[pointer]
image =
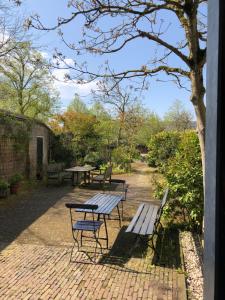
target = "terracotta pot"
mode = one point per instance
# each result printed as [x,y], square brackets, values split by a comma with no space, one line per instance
[14,188]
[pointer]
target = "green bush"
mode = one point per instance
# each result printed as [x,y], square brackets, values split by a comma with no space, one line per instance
[4,185]
[123,156]
[15,179]
[162,147]
[183,175]
[62,149]
[94,159]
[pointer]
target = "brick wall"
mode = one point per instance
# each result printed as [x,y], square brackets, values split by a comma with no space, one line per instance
[15,159]
[12,159]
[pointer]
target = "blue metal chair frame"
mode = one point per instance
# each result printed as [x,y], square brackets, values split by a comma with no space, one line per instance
[79,226]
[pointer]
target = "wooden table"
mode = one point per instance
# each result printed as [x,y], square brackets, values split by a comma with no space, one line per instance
[106,203]
[80,169]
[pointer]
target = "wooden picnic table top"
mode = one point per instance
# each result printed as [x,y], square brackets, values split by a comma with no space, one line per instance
[106,203]
[80,169]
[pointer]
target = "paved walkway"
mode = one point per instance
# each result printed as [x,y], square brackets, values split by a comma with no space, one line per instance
[35,244]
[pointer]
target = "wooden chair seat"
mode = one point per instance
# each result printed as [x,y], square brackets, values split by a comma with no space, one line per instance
[87,225]
[99,178]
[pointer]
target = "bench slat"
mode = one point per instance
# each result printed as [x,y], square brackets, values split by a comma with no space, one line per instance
[135,218]
[147,215]
[140,221]
[151,225]
[149,219]
[164,198]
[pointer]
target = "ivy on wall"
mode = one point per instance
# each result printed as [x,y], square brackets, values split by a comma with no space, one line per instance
[15,129]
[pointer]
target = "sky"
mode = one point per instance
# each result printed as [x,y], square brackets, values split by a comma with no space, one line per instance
[161,94]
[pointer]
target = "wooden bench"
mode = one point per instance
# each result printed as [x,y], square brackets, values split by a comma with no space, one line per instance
[147,218]
[56,174]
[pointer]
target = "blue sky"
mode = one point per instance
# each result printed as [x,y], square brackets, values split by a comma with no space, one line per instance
[160,95]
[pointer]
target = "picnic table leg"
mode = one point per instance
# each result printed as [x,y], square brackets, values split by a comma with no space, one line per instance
[122,210]
[73,184]
[119,214]
[85,177]
[106,232]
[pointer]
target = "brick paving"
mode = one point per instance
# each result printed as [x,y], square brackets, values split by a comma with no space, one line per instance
[35,245]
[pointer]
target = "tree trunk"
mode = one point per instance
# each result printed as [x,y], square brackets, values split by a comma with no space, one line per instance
[20,101]
[119,135]
[122,120]
[197,99]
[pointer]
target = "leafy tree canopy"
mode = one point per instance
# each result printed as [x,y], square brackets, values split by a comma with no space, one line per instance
[178,118]
[25,83]
[77,105]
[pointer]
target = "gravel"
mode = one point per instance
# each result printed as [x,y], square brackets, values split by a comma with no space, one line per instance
[192,252]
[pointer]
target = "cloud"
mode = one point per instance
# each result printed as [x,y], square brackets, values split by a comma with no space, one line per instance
[67,89]
[69,62]
[45,54]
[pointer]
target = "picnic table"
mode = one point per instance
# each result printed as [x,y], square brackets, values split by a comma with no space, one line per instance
[80,169]
[106,203]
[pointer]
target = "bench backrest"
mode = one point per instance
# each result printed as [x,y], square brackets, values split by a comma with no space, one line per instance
[162,204]
[55,167]
[108,172]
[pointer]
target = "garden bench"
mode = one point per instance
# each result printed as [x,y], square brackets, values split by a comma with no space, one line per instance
[102,178]
[55,172]
[147,218]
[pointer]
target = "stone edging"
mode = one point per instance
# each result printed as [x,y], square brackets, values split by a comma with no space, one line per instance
[192,266]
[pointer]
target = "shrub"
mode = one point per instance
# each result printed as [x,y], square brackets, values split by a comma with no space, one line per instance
[15,179]
[123,156]
[3,184]
[183,175]
[162,147]
[62,149]
[94,158]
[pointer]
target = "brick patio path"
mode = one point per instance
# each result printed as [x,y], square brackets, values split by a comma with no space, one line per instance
[35,245]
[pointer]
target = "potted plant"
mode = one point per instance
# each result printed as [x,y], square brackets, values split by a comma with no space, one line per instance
[4,188]
[15,183]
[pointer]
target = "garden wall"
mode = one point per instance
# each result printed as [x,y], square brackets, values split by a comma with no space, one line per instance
[18,155]
[12,160]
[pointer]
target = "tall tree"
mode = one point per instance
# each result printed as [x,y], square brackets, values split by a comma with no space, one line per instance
[151,21]
[11,27]
[178,118]
[78,105]
[80,127]
[151,125]
[119,98]
[97,109]
[25,83]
